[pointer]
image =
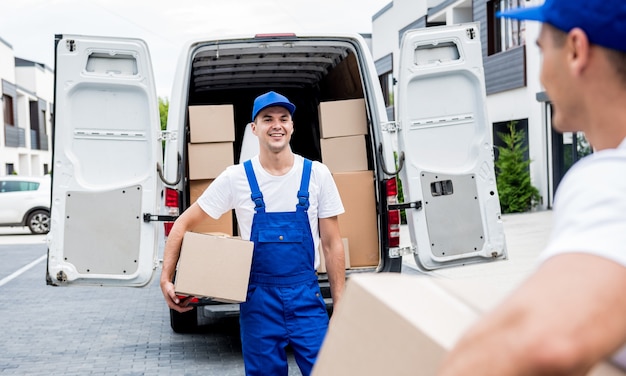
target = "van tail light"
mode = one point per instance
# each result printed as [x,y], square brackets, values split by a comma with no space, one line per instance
[393,216]
[171,203]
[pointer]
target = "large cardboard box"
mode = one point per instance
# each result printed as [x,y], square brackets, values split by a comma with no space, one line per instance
[342,118]
[359,223]
[346,249]
[211,123]
[392,324]
[214,266]
[222,225]
[208,160]
[398,324]
[342,154]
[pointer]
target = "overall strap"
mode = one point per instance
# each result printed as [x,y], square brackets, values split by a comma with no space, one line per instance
[303,193]
[256,196]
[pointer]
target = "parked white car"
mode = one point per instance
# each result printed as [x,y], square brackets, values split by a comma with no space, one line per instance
[25,201]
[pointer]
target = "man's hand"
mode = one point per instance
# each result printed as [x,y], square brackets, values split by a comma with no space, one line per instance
[173,301]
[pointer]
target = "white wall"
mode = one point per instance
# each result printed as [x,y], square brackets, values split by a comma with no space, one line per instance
[7,63]
[386,27]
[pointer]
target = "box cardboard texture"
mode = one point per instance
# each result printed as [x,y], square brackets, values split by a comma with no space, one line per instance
[359,222]
[208,160]
[392,324]
[398,324]
[342,118]
[211,123]
[222,225]
[214,266]
[343,154]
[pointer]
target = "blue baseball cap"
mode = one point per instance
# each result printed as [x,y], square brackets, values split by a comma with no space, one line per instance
[270,99]
[604,21]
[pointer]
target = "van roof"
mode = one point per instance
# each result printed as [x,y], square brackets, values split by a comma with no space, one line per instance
[276,60]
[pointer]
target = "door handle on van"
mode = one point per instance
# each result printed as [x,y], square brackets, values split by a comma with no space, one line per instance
[382,161]
[179,170]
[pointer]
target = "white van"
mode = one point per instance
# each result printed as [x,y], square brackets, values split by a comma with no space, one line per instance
[110,180]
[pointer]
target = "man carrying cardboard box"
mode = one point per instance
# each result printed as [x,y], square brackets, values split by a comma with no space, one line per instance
[284,305]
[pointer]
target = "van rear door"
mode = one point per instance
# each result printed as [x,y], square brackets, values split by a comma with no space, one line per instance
[106,148]
[448,156]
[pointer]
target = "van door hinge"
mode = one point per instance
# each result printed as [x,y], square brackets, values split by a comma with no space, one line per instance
[406,205]
[390,126]
[147,217]
[168,136]
[399,252]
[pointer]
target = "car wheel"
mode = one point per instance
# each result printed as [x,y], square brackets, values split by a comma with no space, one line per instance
[39,222]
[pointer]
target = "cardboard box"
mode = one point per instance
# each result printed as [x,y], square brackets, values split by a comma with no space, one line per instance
[359,223]
[398,324]
[342,118]
[214,266]
[392,324]
[346,251]
[212,123]
[342,154]
[222,225]
[208,160]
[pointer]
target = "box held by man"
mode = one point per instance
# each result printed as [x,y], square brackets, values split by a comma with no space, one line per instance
[214,266]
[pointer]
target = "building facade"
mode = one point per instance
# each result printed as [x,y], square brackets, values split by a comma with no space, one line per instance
[26,110]
[511,62]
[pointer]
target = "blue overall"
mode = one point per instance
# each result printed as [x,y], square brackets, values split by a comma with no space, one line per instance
[284,305]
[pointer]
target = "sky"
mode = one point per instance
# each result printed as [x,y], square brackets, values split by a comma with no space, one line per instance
[29,26]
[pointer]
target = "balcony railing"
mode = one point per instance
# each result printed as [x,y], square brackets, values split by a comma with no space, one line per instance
[15,136]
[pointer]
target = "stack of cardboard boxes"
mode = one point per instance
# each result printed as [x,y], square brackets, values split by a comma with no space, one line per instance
[212,264]
[343,127]
[210,151]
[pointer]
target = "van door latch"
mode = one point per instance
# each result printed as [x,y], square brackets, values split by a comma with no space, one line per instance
[147,217]
[417,205]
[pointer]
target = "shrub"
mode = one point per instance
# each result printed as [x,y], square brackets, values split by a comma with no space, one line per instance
[515,190]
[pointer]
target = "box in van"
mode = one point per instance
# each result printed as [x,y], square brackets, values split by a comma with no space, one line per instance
[111,156]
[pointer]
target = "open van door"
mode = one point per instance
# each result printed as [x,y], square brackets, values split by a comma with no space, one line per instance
[106,149]
[446,142]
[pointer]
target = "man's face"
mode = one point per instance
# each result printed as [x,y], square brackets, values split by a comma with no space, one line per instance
[274,127]
[555,77]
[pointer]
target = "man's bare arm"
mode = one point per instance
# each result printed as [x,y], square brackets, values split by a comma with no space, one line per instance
[564,319]
[332,245]
[186,221]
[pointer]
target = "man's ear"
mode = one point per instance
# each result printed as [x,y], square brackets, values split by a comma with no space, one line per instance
[579,50]
[252,125]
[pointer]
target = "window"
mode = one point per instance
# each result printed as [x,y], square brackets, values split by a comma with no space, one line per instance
[17,186]
[386,83]
[7,108]
[10,168]
[503,33]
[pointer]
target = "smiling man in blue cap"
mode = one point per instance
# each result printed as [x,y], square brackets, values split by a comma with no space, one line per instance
[570,314]
[287,205]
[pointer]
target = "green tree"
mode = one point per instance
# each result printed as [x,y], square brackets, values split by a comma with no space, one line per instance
[515,190]
[164,105]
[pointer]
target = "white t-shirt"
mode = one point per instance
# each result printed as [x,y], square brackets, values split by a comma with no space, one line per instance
[590,208]
[231,190]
